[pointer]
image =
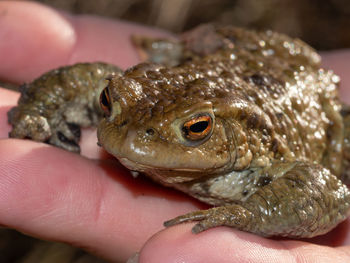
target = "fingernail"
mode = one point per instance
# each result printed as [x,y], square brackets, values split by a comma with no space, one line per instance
[134,258]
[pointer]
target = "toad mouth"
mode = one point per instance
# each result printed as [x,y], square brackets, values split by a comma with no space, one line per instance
[139,167]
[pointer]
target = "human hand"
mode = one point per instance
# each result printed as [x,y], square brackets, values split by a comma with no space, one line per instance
[93,202]
[57,195]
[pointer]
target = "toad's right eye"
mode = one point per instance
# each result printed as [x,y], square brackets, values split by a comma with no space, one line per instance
[105,102]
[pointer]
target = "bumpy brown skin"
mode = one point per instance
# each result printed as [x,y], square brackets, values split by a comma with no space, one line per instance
[53,107]
[276,144]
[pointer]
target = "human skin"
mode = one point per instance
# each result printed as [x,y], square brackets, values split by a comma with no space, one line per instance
[93,202]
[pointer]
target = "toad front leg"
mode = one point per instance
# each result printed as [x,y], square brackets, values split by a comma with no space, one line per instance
[306,200]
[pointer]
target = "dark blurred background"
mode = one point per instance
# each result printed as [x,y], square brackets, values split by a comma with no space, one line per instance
[324,24]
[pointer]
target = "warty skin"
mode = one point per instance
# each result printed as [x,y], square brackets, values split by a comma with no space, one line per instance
[243,120]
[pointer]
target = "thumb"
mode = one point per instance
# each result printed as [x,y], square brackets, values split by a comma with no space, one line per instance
[225,245]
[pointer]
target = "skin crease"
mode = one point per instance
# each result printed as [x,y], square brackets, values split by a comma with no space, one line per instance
[96,204]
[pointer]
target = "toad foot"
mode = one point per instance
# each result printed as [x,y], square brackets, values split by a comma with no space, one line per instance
[233,215]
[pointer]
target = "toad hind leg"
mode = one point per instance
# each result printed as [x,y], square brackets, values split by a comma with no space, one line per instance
[305,201]
[345,175]
[55,106]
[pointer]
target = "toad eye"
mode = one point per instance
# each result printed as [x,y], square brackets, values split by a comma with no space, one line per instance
[105,102]
[197,128]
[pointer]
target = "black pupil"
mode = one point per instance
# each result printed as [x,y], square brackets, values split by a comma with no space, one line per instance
[199,126]
[104,99]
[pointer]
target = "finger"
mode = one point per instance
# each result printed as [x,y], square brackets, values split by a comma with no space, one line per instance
[57,195]
[339,62]
[178,244]
[39,38]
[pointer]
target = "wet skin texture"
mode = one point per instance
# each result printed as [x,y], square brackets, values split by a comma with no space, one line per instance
[243,120]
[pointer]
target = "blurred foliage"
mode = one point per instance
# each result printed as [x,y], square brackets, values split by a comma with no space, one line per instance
[18,248]
[323,24]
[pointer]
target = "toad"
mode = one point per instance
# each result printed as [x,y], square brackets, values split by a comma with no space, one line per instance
[245,121]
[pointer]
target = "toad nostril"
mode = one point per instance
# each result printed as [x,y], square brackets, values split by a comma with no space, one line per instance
[150,132]
[125,122]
